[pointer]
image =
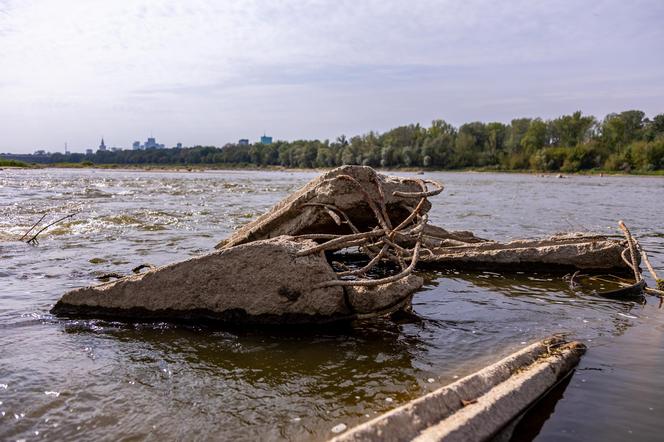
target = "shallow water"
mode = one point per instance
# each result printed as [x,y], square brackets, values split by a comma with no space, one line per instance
[101,380]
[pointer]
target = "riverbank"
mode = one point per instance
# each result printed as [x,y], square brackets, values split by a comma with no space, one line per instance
[252,167]
[13,164]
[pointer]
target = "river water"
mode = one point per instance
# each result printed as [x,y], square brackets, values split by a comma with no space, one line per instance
[103,380]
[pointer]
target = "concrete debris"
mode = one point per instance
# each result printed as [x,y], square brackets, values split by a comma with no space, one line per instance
[308,211]
[480,405]
[259,282]
[331,204]
[277,268]
[575,250]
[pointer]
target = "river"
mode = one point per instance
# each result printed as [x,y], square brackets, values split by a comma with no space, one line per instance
[105,380]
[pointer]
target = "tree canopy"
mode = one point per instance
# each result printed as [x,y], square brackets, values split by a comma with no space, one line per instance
[625,141]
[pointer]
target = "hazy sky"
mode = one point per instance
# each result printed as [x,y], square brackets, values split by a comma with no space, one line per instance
[210,72]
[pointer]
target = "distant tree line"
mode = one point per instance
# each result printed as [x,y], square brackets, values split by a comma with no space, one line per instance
[626,141]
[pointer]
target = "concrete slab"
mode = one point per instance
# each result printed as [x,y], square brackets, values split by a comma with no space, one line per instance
[478,406]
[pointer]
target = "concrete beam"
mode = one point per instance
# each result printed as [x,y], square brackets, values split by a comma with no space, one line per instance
[478,406]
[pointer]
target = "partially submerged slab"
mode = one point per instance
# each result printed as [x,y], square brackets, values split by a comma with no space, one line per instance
[320,206]
[575,250]
[275,269]
[261,276]
[260,282]
[332,205]
[480,405]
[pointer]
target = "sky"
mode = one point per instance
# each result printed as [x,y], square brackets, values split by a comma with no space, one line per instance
[210,72]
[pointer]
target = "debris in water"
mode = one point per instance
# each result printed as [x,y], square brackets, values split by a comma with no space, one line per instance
[339,428]
[297,263]
[33,238]
[492,398]
[628,316]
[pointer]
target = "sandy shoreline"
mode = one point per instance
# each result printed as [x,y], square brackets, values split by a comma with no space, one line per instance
[208,168]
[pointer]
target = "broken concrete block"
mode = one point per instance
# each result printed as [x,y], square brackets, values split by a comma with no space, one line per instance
[575,250]
[259,282]
[308,209]
[478,406]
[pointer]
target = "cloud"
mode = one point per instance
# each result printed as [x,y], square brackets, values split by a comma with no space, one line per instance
[424,59]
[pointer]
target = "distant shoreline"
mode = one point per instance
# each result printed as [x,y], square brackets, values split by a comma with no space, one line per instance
[211,167]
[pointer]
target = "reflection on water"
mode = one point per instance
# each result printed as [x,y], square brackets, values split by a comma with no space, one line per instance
[100,379]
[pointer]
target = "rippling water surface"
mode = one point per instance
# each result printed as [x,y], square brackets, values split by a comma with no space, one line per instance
[101,380]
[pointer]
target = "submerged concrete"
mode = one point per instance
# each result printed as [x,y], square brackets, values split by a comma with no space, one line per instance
[328,204]
[273,269]
[260,282]
[308,210]
[478,406]
[574,250]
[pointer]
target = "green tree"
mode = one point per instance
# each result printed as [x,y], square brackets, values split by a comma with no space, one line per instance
[571,130]
[535,137]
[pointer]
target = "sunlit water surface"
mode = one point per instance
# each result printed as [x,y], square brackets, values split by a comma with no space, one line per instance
[101,380]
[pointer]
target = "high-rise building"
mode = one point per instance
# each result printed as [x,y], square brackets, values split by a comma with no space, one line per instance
[266,140]
[243,142]
[151,143]
[102,145]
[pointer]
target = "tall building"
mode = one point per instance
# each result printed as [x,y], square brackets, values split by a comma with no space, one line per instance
[243,142]
[102,146]
[266,140]
[151,143]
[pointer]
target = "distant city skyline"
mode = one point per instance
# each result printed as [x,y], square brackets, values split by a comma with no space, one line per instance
[150,143]
[211,72]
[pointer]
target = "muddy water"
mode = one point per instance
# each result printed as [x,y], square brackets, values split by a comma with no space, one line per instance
[101,380]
